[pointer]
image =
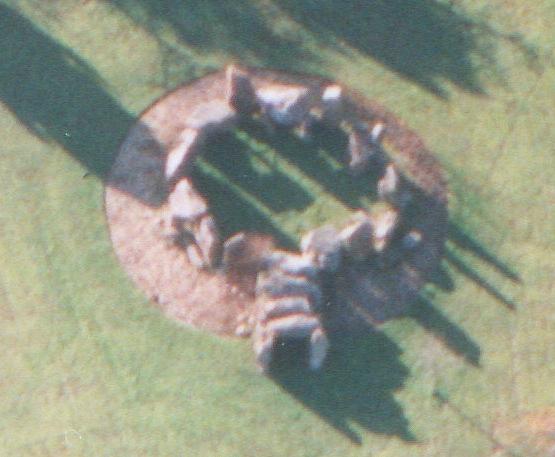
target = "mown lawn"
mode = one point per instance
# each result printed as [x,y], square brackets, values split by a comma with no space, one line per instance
[90,369]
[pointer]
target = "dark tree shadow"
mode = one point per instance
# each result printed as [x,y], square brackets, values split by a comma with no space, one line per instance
[356,384]
[57,95]
[236,28]
[60,98]
[425,41]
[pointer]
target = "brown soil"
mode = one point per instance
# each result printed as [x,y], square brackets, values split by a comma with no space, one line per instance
[532,434]
[136,204]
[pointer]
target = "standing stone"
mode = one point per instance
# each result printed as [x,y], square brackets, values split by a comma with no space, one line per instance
[385,220]
[185,203]
[183,153]
[360,149]
[208,240]
[357,237]
[240,92]
[285,106]
[323,246]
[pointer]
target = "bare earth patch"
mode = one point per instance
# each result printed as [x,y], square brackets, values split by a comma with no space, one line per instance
[137,207]
[532,435]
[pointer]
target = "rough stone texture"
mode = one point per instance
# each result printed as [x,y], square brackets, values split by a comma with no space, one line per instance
[361,293]
[185,202]
[183,153]
[288,297]
[240,91]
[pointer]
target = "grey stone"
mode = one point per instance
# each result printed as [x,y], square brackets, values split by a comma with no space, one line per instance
[240,92]
[324,247]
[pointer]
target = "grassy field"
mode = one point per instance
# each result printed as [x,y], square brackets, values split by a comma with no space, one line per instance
[89,368]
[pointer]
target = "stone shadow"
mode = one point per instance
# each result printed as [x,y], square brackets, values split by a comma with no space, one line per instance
[243,197]
[455,338]
[464,241]
[323,159]
[356,385]
[464,268]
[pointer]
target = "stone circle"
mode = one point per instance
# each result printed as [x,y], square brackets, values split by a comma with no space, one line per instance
[341,278]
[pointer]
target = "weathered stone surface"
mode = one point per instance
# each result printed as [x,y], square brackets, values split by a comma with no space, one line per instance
[333,105]
[385,220]
[208,240]
[388,184]
[360,149]
[294,264]
[323,247]
[183,153]
[185,203]
[318,350]
[377,133]
[412,239]
[285,306]
[288,295]
[276,285]
[294,326]
[194,255]
[284,105]
[240,92]
[247,252]
[357,236]
[212,116]
[393,188]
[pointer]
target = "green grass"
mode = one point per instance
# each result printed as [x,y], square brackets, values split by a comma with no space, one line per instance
[279,184]
[89,368]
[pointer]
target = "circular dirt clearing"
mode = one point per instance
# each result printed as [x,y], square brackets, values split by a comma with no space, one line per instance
[278,197]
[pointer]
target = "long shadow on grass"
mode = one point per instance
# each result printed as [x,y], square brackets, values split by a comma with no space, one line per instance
[237,29]
[455,338]
[246,190]
[322,159]
[426,41]
[464,241]
[357,385]
[463,267]
[364,369]
[57,95]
